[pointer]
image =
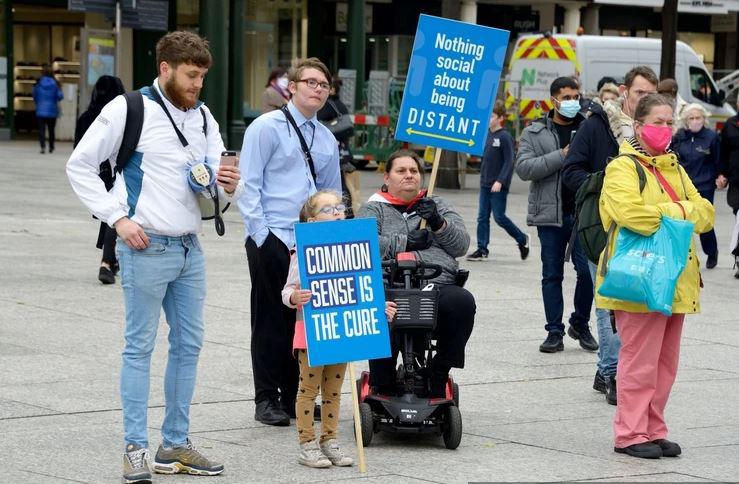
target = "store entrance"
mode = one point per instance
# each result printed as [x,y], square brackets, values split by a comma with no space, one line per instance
[44,35]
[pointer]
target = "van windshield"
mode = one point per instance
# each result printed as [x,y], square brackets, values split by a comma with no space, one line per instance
[702,86]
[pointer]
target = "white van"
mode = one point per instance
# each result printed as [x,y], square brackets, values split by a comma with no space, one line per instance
[538,59]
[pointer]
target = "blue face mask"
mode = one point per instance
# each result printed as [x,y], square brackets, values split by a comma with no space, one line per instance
[569,108]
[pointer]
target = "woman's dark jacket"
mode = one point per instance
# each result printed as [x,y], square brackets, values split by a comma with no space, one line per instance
[698,153]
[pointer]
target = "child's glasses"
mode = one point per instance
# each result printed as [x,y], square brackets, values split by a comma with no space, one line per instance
[329,209]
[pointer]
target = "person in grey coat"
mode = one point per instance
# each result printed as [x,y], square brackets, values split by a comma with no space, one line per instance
[399,207]
[541,153]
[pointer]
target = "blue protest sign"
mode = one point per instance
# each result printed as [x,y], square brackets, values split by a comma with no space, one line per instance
[452,80]
[339,261]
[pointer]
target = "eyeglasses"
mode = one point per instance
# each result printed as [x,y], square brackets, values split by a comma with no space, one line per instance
[640,93]
[312,83]
[330,209]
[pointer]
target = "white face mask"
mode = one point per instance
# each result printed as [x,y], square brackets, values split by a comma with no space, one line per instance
[695,125]
[282,83]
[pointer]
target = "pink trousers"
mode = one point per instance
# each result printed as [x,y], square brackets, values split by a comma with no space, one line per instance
[647,365]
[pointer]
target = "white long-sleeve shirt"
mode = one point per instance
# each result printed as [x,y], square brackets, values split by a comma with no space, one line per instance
[152,190]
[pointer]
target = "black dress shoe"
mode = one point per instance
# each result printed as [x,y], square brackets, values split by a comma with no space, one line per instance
[599,382]
[270,413]
[611,392]
[669,449]
[711,261]
[106,276]
[647,450]
[552,344]
[584,337]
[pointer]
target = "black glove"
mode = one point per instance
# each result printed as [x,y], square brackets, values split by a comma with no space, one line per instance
[418,239]
[426,209]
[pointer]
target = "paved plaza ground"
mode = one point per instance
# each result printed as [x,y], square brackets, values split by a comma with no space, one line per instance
[527,416]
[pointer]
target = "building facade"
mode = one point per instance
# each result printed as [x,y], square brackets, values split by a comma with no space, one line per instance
[250,37]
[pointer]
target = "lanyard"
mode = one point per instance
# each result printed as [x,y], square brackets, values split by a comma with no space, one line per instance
[159,101]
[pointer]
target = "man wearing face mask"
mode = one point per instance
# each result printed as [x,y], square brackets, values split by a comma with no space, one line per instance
[542,150]
[597,142]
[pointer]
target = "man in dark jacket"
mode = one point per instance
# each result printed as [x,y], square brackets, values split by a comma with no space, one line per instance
[496,171]
[596,142]
[541,153]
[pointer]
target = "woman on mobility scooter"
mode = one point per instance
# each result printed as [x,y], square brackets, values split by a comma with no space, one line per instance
[399,207]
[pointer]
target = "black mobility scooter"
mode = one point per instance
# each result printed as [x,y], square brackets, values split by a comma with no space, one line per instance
[410,408]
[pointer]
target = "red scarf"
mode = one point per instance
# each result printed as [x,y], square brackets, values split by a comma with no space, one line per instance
[399,201]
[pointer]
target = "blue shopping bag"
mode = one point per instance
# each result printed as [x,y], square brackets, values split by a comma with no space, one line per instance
[645,270]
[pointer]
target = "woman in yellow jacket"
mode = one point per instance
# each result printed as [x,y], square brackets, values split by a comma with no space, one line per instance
[650,341]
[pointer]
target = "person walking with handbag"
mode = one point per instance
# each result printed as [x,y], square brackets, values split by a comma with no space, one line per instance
[650,341]
[47,93]
[291,155]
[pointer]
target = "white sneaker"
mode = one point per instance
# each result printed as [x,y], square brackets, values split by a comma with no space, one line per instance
[311,455]
[331,449]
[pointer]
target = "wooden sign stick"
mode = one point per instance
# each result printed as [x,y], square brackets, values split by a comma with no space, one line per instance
[357,420]
[432,181]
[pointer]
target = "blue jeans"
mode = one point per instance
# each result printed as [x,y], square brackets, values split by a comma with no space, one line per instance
[495,202]
[168,274]
[553,246]
[608,341]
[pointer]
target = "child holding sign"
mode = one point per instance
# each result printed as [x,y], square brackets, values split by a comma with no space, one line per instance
[325,205]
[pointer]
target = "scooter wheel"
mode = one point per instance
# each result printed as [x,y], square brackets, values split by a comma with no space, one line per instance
[455,394]
[453,428]
[368,425]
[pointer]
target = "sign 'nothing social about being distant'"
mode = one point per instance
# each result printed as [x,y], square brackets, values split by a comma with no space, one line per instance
[452,80]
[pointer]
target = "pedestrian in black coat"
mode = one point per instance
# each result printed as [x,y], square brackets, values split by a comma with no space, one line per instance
[106,88]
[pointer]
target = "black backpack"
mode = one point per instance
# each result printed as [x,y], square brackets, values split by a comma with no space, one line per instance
[588,226]
[134,123]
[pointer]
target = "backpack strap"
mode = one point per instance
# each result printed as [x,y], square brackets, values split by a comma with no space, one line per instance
[642,183]
[132,129]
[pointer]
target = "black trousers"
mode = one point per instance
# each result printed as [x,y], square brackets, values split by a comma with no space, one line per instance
[274,368]
[453,328]
[108,237]
[43,123]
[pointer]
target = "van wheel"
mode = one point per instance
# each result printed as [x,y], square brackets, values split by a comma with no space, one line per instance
[453,428]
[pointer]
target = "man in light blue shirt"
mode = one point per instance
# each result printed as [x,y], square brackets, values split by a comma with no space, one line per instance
[278,180]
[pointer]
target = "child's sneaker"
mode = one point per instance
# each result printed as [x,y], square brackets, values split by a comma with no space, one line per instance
[136,465]
[331,449]
[311,455]
[186,460]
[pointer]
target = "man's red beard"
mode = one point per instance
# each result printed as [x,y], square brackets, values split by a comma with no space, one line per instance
[177,95]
